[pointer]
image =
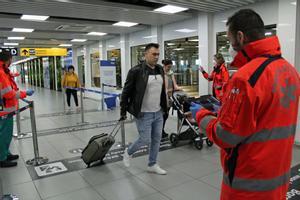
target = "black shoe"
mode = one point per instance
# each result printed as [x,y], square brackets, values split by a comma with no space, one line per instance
[6,163]
[11,157]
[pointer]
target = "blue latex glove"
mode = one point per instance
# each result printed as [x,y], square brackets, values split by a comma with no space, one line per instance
[195,108]
[29,92]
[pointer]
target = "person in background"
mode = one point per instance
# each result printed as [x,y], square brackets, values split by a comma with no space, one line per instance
[71,80]
[219,75]
[171,86]
[144,96]
[9,96]
[255,128]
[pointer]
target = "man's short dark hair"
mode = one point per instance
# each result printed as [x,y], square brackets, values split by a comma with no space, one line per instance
[248,22]
[5,55]
[167,62]
[151,45]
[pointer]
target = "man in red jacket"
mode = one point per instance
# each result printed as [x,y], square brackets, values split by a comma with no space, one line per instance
[9,95]
[256,125]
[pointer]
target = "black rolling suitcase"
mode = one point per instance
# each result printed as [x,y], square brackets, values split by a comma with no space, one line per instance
[99,145]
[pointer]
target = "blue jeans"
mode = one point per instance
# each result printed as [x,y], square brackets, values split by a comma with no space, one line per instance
[150,128]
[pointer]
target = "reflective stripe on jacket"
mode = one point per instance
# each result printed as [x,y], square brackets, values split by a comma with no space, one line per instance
[256,125]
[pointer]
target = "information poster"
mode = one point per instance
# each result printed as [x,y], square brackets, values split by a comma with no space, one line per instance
[108,74]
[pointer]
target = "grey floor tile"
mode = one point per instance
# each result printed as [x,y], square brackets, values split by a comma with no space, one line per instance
[124,189]
[197,168]
[24,191]
[82,194]
[214,179]
[14,175]
[193,190]
[103,174]
[163,182]
[156,196]
[52,186]
[173,156]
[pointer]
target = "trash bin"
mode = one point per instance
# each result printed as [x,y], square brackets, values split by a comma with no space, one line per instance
[110,102]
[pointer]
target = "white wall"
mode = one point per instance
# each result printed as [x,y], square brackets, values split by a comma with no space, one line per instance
[114,43]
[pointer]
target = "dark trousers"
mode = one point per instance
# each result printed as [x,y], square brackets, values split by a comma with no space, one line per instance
[74,93]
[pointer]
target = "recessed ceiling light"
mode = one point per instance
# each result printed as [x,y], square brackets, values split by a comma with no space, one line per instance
[170,44]
[178,49]
[170,9]
[125,24]
[15,38]
[97,33]
[150,36]
[65,45]
[34,17]
[11,44]
[194,40]
[185,30]
[78,40]
[3,47]
[111,46]
[23,30]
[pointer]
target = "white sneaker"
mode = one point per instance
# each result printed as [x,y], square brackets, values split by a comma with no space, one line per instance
[156,169]
[126,158]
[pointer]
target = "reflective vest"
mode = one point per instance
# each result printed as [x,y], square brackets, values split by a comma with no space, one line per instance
[9,92]
[220,77]
[256,125]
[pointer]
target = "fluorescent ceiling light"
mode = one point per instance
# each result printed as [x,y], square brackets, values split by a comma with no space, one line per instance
[111,46]
[170,9]
[96,33]
[65,45]
[4,47]
[178,49]
[170,44]
[23,30]
[126,24]
[15,38]
[78,40]
[194,40]
[224,21]
[11,44]
[34,17]
[268,33]
[150,36]
[185,30]
[294,3]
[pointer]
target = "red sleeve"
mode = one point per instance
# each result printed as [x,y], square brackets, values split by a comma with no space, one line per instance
[208,77]
[236,120]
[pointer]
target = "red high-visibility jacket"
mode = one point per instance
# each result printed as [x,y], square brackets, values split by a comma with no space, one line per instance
[9,91]
[256,125]
[220,77]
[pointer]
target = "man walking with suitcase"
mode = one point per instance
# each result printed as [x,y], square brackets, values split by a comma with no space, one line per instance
[144,96]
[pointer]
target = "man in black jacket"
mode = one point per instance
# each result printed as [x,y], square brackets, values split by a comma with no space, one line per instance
[144,96]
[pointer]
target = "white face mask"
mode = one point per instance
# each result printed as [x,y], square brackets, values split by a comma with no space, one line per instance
[232,52]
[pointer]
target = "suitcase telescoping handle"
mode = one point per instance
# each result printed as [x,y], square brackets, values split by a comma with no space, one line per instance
[116,129]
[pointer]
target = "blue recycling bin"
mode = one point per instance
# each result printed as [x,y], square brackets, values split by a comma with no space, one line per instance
[110,102]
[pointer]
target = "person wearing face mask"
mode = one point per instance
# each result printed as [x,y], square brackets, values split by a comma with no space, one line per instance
[219,75]
[9,95]
[71,79]
[256,125]
[171,86]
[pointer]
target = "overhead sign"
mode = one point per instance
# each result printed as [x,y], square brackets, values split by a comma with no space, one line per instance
[43,52]
[13,51]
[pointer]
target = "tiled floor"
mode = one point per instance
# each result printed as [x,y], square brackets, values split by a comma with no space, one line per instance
[192,174]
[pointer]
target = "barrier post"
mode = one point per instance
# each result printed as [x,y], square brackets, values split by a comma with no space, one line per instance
[37,160]
[18,119]
[102,96]
[64,98]
[81,105]
[123,134]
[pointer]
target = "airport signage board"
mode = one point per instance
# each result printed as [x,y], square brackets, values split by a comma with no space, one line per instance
[43,52]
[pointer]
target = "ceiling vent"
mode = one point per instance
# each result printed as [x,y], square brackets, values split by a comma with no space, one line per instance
[74,28]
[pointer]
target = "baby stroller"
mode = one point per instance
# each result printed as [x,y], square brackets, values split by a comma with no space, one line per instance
[181,102]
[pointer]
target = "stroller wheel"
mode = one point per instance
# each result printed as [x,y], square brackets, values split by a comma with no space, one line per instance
[198,142]
[209,143]
[174,139]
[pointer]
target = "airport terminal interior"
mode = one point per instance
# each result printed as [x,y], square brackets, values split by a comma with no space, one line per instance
[103,40]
